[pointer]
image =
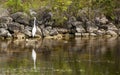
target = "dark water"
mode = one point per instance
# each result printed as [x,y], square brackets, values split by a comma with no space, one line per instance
[60,57]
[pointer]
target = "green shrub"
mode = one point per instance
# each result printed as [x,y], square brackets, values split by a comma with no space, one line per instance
[14,5]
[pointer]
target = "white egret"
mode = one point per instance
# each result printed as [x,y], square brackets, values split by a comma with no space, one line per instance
[34,28]
[34,57]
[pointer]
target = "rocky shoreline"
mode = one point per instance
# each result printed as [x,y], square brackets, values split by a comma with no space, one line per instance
[19,26]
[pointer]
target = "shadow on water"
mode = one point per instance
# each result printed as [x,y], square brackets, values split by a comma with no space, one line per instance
[79,56]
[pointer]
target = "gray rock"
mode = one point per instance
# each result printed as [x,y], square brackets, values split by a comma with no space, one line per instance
[104,27]
[103,19]
[49,28]
[4,33]
[112,33]
[5,19]
[28,28]
[62,30]
[53,32]
[92,34]
[49,23]
[3,12]
[91,27]
[71,24]
[3,25]
[100,32]
[15,27]
[112,27]
[77,23]
[79,27]
[39,31]
[45,32]
[27,33]
[21,18]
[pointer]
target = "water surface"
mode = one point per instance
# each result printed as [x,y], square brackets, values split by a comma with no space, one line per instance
[88,56]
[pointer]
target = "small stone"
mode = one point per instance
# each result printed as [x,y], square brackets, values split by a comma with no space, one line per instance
[78,34]
[85,34]
[93,34]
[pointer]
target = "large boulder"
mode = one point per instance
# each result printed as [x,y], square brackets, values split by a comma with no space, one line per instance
[21,18]
[46,31]
[5,19]
[53,32]
[3,25]
[100,32]
[4,33]
[71,25]
[45,16]
[79,27]
[15,27]
[103,19]
[112,33]
[49,31]
[27,31]
[70,22]
[112,27]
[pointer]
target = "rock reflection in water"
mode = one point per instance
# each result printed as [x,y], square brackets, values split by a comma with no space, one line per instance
[79,56]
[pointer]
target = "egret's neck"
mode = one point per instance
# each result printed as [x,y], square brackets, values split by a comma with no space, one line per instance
[34,21]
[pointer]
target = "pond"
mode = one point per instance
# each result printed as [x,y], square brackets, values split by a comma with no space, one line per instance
[79,56]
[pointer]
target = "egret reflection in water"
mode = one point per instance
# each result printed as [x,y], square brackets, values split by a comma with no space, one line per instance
[34,57]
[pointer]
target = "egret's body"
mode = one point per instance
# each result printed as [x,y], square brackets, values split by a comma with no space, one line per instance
[34,57]
[34,28]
